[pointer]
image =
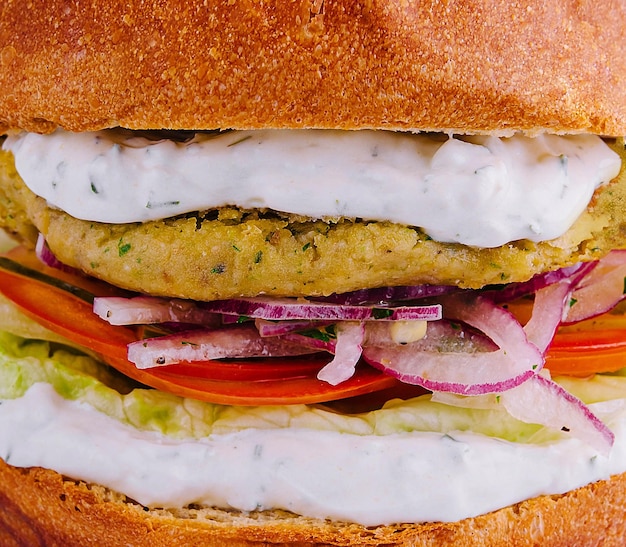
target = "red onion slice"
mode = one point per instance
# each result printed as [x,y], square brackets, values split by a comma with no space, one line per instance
[292,308]
[278,328]
[202,345]
[314,339]
[512,291]
[441,336]
[348,347]
[548,310]
[143,310]
[600,290]
[384,295]
[466,373]
[542,401]
[47,257]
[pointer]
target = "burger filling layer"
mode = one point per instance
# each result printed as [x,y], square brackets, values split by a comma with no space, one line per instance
[481,191]
[166,451]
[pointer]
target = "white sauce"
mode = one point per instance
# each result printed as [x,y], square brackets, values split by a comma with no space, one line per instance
[410,477]
[482,191]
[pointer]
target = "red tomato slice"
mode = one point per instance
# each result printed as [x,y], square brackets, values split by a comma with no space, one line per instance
[594,345]
[246,382]
[65,314]
[283,391]
[584,348]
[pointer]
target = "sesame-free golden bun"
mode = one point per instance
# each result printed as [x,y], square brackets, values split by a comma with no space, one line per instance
[469,66]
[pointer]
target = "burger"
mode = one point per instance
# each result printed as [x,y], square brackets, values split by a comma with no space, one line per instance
[312,273]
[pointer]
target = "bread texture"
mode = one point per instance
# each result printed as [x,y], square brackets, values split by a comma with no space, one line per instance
[40,507]
[466,66]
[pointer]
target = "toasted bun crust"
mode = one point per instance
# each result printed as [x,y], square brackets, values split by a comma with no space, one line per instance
[40,507]
[467,66]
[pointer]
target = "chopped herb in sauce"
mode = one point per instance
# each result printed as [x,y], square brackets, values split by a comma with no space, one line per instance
[243,139]
[162,204]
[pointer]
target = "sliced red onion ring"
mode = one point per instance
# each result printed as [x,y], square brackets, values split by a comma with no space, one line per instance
[541,401]
[144,310]
[348,349]
[278,328]
[512,291]
[600,290]
[466,373]
[384,295]
[292,308]
[47,257]
[314,339]
[441,336]
[201,345]
[548,310]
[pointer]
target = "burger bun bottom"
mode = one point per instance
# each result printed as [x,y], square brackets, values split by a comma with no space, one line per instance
[40,507]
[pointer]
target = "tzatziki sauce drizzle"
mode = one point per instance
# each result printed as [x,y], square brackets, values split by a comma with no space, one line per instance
[481,191]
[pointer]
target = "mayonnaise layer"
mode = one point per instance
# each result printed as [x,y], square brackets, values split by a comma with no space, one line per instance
[482,191]
[403,477]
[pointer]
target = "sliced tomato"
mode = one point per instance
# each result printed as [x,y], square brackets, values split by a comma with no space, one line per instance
[25,257]
[595,345]
[583,348]
[240,382]
[65,314]
[282,390]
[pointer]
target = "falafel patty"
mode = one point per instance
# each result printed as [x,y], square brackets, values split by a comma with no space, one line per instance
[231,252]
